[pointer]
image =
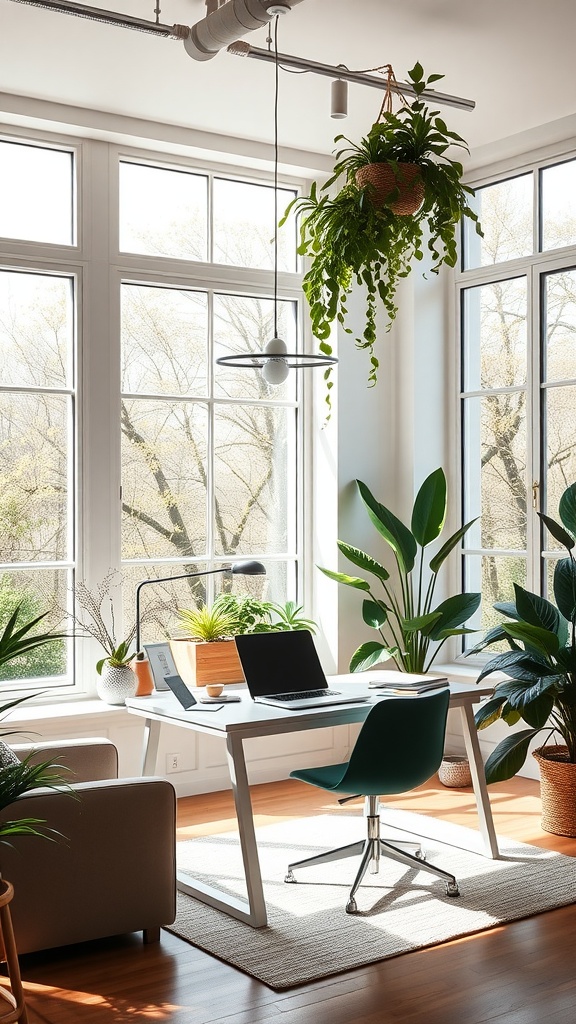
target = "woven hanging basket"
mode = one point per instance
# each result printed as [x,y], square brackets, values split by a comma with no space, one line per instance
[558,790]
[384,180]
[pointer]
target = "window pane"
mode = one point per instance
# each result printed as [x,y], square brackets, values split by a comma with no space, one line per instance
[243,324]
[163,212]
[560,312]
[36,330]
[37,592]
[244,225]
[560,421]
[505,212]
[34,474]
[494,332]
[495,445]
[558,185]
[164,340]
[163,479]
[36,194]
[494,576]
[254,474]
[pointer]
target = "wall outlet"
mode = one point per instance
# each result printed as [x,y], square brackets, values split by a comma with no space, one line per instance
[172,762]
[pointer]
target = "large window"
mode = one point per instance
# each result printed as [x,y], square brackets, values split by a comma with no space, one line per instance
[108,386]
[518,330]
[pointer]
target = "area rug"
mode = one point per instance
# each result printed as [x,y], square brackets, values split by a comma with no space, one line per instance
[310,936]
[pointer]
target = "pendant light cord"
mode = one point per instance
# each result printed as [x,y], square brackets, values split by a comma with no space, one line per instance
[276,91]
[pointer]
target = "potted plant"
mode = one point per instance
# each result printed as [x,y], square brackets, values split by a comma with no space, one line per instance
[364,234]
[206,653]
[412,630]
[116,679]
[541,686]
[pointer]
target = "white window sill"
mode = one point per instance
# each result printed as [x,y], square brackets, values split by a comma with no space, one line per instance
[62,710]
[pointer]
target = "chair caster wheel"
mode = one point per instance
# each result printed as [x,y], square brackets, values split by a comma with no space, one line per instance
[351,907]
[452,889]
[289,877]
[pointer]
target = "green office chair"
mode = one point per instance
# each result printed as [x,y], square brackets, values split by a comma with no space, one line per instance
[398,748]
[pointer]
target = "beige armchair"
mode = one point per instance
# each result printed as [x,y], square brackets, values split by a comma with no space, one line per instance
[114,872]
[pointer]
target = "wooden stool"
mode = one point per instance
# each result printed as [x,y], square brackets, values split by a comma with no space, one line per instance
[16,1009]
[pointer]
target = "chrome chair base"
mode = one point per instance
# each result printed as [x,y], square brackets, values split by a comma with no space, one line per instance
[371,849]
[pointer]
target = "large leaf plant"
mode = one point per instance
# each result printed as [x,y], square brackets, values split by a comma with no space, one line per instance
[541,663]
[411,627]
[350,241]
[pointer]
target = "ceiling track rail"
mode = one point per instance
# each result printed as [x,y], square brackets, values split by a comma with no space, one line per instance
[218,30]
[244,49]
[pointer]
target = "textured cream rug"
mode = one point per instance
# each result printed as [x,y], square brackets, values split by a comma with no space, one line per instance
[310,936]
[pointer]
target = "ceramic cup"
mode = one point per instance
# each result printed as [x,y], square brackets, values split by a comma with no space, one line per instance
[214,689]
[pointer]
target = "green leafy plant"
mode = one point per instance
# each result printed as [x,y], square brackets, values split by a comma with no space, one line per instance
[411,628]
[99,623]
[350,240]
[289,616]
[206,624]
[541,662]
[231,616]
[16,642]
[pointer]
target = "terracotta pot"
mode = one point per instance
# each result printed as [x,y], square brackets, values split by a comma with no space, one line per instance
[558,790]
[384,180]
[199,663]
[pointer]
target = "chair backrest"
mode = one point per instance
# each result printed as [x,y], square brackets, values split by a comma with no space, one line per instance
[399,747]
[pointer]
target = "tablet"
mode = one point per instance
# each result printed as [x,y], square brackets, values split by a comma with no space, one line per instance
[185,697]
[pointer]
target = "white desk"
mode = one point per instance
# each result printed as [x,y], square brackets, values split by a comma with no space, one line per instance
[239,721]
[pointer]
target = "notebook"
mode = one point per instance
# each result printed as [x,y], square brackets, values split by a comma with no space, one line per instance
[284,670]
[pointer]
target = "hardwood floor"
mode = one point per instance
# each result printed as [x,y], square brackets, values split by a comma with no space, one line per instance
[522,973]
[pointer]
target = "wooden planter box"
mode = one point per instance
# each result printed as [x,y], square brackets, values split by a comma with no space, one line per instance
[199,662]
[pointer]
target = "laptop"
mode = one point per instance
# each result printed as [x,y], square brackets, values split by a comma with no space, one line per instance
[283,669]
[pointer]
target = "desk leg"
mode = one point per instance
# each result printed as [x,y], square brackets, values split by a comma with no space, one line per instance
[150,747]
[474,755]
[250,859]
[253,910]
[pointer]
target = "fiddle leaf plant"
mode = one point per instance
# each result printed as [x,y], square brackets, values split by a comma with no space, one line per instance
[351,241]
[540,688]
[411,627]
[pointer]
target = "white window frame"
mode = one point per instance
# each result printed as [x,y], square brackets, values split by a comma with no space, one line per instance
[100,267]
[534,268]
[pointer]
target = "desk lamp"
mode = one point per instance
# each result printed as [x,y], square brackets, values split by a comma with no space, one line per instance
[238,568]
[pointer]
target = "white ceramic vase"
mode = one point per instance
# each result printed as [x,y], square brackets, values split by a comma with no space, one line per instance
[115,684]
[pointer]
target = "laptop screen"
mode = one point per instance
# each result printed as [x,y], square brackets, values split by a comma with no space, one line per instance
[283,662]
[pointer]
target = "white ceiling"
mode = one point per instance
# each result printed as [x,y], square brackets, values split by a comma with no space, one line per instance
[515,58]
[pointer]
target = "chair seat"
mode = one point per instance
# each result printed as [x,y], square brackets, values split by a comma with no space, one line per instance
[328,776]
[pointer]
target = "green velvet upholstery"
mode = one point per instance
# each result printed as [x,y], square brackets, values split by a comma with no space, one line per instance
[399,747]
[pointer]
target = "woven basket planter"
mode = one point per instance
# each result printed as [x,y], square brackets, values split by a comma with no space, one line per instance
[558,790]
[454,771]
[384,180]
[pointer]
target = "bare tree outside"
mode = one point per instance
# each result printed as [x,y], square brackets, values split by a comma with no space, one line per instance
[502,347]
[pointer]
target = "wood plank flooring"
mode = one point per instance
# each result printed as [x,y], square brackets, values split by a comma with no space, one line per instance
[522,973]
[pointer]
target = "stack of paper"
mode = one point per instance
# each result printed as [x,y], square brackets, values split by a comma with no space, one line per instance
[405,683]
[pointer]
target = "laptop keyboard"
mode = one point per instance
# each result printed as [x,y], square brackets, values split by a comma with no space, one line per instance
[307,693]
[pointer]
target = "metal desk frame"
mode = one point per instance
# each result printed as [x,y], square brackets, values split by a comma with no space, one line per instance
[240,721]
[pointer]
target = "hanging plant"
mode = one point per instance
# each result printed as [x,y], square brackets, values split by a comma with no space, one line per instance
[398,186]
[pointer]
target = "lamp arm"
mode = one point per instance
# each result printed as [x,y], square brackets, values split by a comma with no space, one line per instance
[166,579]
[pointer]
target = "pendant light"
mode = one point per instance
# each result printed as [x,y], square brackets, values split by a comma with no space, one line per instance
[276,361]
